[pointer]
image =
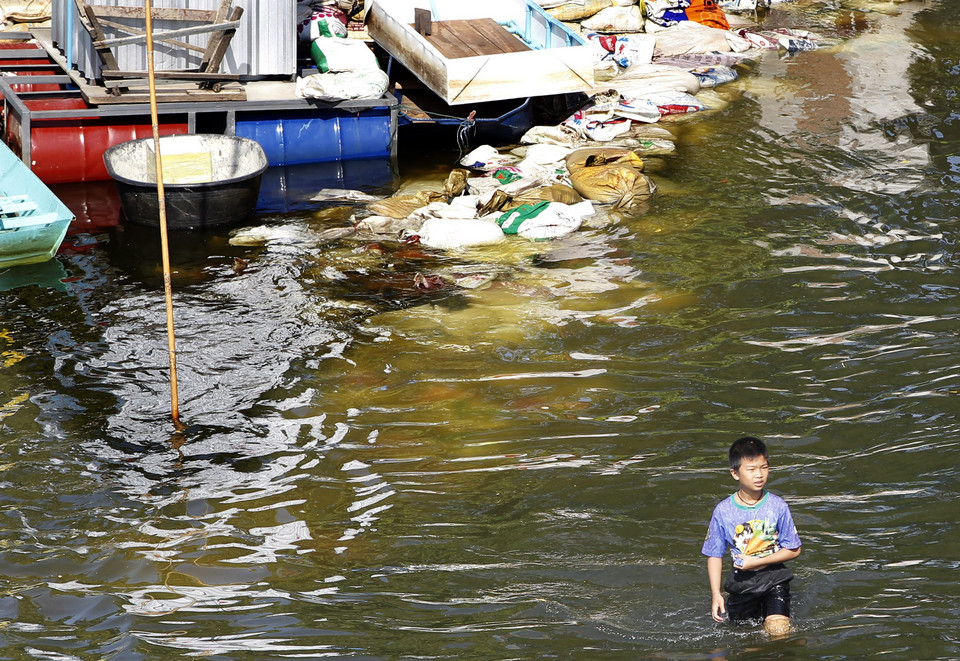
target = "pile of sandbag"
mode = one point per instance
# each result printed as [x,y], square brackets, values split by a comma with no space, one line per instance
[347,68]
[609,176]
[631,16]
[652,58]
[537,192]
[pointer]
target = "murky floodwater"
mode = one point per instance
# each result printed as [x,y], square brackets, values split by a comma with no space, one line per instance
[527,470]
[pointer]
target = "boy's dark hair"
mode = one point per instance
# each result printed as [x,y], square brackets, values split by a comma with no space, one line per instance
[747,447]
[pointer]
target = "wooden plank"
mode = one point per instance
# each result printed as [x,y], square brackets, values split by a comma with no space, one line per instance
[170,75]
[131,30]
[158,13]
[222,44]
[470,38]
[171,96]
[107,58]
[498,37]
[168,34]
[223,13]
[445,38]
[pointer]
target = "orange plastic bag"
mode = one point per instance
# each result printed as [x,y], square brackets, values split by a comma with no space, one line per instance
[667,13]
[707,12]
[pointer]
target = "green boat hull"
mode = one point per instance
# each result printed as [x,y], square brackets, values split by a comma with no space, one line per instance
[33,221]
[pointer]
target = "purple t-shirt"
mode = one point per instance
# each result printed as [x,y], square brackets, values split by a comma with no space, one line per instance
[758,531]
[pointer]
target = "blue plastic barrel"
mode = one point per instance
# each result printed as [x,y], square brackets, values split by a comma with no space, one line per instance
[321,135]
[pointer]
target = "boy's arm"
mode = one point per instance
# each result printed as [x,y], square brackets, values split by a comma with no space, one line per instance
[749,562]
[715,574]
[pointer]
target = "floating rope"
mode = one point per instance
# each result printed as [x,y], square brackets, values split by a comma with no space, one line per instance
[466,126]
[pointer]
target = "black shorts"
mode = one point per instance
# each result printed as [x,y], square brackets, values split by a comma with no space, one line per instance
[775,601]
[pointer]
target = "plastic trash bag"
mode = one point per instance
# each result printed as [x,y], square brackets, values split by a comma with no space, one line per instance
[456,182]
[692,60]
[641,80]
[584,157]
[487,158]
[743,6]
[386,226]
[713,76]
[543,154]
[783,38]
[638,110]
[343,195]
[510,221]
[677,103]
[652,146]
[625,49]
[601,128]
[794,40]
[554,224]
[668,13]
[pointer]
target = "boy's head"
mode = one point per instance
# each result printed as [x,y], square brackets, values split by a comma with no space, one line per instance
[747,447]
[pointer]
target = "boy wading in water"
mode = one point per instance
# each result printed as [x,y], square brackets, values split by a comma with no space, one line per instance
[757,527]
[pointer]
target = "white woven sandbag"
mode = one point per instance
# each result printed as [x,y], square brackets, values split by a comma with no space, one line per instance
[556,221]
[446,233]
[366,84]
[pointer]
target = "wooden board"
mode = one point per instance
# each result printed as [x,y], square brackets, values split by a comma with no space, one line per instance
[98,96]
[470,38]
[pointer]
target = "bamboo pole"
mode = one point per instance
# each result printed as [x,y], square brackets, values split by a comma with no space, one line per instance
[162,206]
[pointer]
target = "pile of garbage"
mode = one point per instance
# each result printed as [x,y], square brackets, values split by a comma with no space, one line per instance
[535,192]
[652,58]
[655,61]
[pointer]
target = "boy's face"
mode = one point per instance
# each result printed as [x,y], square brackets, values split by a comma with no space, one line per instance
[752,474]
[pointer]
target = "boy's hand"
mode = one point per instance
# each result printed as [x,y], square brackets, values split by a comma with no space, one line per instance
[718,608]
[746,562]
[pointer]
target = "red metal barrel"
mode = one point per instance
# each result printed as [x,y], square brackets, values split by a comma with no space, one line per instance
[71,149]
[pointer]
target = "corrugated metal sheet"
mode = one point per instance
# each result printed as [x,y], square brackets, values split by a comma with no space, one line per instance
[264,45]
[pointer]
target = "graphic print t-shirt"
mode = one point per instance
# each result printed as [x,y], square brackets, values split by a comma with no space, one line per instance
[757,531]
